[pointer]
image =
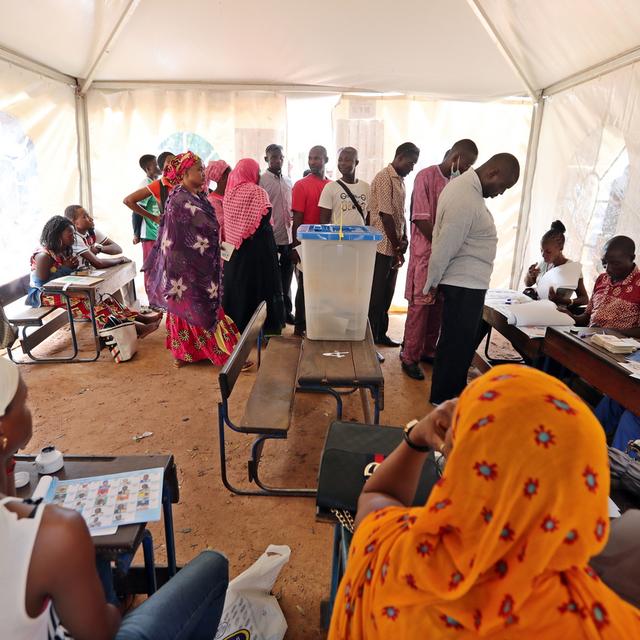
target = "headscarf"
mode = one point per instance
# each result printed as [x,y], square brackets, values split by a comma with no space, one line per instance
[500,550]
[175,169]
[9,380]
[245,202]
[215,170]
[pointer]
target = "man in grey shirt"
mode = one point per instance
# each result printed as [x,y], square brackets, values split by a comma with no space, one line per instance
[279,189]
[463,252]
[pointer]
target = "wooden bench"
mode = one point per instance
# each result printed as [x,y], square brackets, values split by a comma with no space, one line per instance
[23,317]
[268,410]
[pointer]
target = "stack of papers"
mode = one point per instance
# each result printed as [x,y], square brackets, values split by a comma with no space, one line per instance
[538,313]
[613,344]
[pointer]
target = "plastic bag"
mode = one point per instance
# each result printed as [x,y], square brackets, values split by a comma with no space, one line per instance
[122,341]
[250,611]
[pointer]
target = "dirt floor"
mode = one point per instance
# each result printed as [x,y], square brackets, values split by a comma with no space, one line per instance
[97,408]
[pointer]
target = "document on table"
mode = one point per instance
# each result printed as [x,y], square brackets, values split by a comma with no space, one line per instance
[539,313]
[633,368]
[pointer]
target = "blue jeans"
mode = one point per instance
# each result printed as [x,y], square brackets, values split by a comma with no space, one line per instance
[188,607]
[618,421]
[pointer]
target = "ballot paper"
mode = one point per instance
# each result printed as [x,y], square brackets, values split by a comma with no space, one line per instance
[614,511]
[538,313]
[565,276]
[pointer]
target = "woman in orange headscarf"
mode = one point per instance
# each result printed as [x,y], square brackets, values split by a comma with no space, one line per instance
[500,550]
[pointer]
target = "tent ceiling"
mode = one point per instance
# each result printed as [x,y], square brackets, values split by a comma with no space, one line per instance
[437,47]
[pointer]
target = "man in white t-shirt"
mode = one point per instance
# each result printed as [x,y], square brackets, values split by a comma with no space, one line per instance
[345,201]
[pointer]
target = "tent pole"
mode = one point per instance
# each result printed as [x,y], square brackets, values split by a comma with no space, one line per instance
[502,47]
[117,30]
[612,64]
[31,65]
[522,232]
[84,159]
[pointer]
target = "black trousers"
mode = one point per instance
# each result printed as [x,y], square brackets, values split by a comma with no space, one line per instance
[461,322]
[382,290]
[286,274]
[300,319]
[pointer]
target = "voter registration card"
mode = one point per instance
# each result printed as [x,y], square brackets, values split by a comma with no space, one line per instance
[226,251]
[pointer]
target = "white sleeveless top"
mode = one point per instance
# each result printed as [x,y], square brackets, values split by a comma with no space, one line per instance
[17,537]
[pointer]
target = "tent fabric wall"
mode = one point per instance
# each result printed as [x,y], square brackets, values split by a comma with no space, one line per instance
[38,161]
[123,125]
[588,168]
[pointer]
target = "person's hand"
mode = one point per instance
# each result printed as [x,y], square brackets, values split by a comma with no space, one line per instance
[124,260]
[95,249]
[431,296]
[399,260]
[434,429]
[136,239]
[295,256]
[71,262]
[558,299]
[404,245]
[565,310]
[533,272]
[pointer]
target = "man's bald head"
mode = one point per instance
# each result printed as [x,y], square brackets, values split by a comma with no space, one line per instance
[349,152]
[498,174]
[618,257]
[317,160]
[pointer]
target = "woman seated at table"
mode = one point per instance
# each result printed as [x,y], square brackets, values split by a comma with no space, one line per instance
[615,304]
[48,562]
[501,548]
[55,259]
[551,247]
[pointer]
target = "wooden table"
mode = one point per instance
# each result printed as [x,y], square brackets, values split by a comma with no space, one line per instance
[118,281]
[352,365]
[597,366]
[128,537]
[529,348]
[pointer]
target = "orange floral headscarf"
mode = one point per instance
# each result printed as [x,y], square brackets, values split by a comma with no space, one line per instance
[500,550]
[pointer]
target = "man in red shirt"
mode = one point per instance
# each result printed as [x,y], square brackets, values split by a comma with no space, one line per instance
[305,209]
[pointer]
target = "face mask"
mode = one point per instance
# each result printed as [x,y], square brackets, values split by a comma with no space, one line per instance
[455,172]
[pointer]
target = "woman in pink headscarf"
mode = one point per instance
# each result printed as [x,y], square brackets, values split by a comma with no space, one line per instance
[251,275]
[217,171]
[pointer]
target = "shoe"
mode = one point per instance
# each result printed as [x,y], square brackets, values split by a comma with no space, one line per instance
[379,356]
[413,370]
[386,341]
[298,331]
[290,319]
[428,359]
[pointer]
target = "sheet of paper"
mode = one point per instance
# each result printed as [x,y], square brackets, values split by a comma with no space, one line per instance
[614,512]
[534,332]
[632,367]
[539,313]
[565,276]
[111,500]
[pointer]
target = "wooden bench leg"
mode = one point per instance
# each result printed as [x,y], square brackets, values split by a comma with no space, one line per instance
[256,453]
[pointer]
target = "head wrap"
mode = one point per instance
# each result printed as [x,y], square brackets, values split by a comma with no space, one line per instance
[244,202]
[9,380]
[175,169]
[501,548]
[215,170]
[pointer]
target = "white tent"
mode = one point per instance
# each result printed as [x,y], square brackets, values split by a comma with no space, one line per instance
[88,86]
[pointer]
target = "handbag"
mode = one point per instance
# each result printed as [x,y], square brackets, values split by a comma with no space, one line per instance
[350,455]
[356,204]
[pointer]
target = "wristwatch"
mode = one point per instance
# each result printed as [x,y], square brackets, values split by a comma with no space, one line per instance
[407,433]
